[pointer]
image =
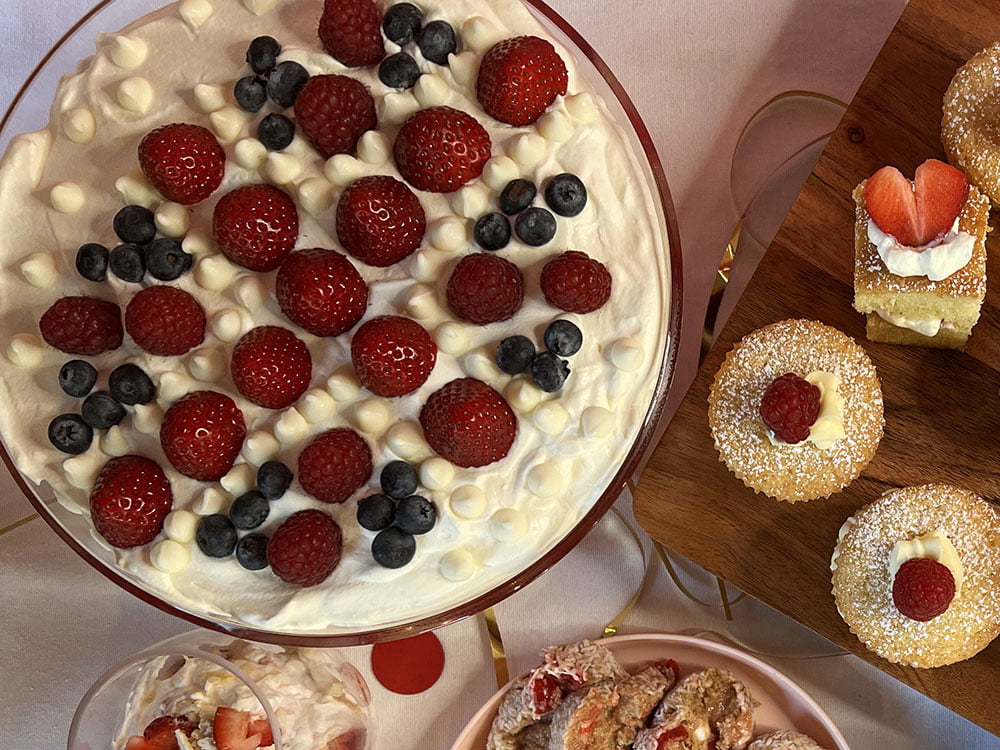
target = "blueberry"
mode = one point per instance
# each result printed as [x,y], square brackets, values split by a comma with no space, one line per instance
[77,378]
[549,372]
[262,54]
[492,231]
[399,71]
[566,195]
[285,83]
[402,22]
[251,552]
[535,226]
[135,224]
[92,261]
[101,411]
[416,514]
[249,510]
[129,385]
[376,512]
[216,536]
[250,93]
[276,132]
[166,260]
[517,196]
[70,434]
[398,479]
[563,338]
[127,263]
[273,478]
[514,354]
[393,547]
[436,41]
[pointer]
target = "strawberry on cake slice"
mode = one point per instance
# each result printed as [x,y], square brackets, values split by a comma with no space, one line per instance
[920,255]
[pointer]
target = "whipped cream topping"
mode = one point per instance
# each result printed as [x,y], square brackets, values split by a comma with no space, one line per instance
[923,326]
[930,546]
[936,260]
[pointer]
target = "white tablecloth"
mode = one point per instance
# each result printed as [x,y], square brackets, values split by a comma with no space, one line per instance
[696,69]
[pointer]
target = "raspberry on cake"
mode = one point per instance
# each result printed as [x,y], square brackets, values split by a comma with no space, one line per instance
[334,112]
[920,255]
[82,325]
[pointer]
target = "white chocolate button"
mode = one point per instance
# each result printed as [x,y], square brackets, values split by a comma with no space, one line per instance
[81,471]
[468,501]
[480,366]
[508,525]
[227,325]
[527,149]
[550,417]
[228,123]
[457,565]
[260,446]
[128,53]
[250,153]
[597,422]
[464,66]
[67,197]
[436,473]
[251,292]
[282,168]
[544,480]
[25,350]
[79,125]
[406,440]
[471,202]
[421,303]
[396,107]
[343,385]
[173,386]
[374,147]
[479,34]
[581,107]
[39,269]
[555,126]
[522,394]
[452,338]
[499,171]
[627,355]
[448,234]
[209,97]
[240,479]
[207,364]
[342,169]
[291,427]
[195,12]
[371,415]
[212,501]
[181,526]
[214,272]
[136,94]
[147,418]
[198,242]
[114,442]
[316,195]
[169,556]
[172,220]
[316,405]
[426,265]
[260,7]
[136,191]
[431,90]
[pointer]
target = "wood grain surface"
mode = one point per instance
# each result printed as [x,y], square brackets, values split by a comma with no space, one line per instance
[942,406]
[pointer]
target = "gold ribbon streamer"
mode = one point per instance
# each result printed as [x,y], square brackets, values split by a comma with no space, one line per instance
[743,645]
[496,647]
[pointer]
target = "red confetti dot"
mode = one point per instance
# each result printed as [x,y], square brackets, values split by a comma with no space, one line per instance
[409,666]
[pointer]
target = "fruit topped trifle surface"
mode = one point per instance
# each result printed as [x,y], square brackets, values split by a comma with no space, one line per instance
[324,317]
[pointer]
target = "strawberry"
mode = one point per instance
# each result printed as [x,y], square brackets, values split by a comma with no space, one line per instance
[202,434]
[351,32]
[321,291]
[256,226]
[130,499]
[82,325]
[184,162]
[923,589]
[162,741]
[485,289]
[916,213]
[165,320]
[334,465]
[306,548]
[230,730]
[468,423]
[263,728]
[575,282]
[168,724]
[333,112]
[271,367]
[393,356]
[519,78]
[353,739]
[440,149]
[379,220]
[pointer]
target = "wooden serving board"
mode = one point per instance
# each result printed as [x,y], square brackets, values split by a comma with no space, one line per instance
[942,407]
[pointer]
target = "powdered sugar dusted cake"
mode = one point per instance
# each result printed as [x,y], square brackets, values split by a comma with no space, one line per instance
[506,464]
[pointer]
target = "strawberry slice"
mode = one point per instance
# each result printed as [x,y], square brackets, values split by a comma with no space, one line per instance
[351,740]
[231,730]
[263,728]
[166,740]
[917,212]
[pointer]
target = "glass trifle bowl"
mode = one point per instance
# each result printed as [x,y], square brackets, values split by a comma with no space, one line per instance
[497,527]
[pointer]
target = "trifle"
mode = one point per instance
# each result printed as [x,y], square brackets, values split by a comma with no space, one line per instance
[326,317]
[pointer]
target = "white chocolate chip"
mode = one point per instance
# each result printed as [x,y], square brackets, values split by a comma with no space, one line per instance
[480,366]
[136,94]
[508,525]
[316,195]
[227,325]
[555,126]
[374,147]
[260,7]
[550,417]
[214,272]
[597,422]
[114,442]
[343,385]
[479,34]
[79,125]
[67,197]
[431,90]
[317,405]
[426,265]
[136,191]
[240,479]
[342,169]
[436,473]
[464,66]
[527,149]
[209,97]
[499,171]
[457,565]
[251,292]
[452,338]
[544,480]
[260,446]
[250,153]
[198,242]
[470,202]
[371,415]
[627,355]
[25,350]
[172,220]
[421,302]
[195,12]
[81,471]
[406,440]
[291,427]
[173,386]
[468,501]
[282,168]
[522,394]
[207,364]
[169,556]
[228,123]
[396,107]
[448,234]
[39,269]
[147,417]
[128,53]
[181,526]
[581,107]
[212,501]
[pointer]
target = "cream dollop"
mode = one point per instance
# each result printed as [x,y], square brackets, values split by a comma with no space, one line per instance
[260,446]
[241,478]
[508,525]
[374,147]
[343,385]
[371,415]
[317,405]
[315,195]
[452,338]
[829,425]
[431,90]
[936,261]
[930,546]
[291,427]
[436,473]
[228,123]
[25,350]
[342,169]
[500,170]
[470,202]
[211,501]
[924,326]
[448,234]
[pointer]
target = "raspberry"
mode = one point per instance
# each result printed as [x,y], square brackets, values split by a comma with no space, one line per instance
[202,434]
[468,423]
[392,356]
[440,149]
[351,32]
[165,320]
[575,282]
[321,291]
[306,548]
[333,112]
[184,162]
[82,325]
[519,78]
[790,407]
[334,465]
[271,367]
[379,220]
[923,589]
[485,289]
[256,226]
[130,499]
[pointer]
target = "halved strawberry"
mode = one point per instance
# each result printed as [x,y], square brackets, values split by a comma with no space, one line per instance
[917,212]
[231,730]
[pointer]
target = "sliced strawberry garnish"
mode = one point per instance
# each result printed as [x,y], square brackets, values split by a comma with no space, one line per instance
[351,740]
[231,730]
[263,728]
[917,212]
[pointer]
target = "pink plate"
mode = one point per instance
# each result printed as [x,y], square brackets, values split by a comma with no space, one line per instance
[783,704]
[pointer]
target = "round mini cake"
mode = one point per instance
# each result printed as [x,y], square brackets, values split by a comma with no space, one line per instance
[916,575]
[969,125]
[784,739]
[820,386]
